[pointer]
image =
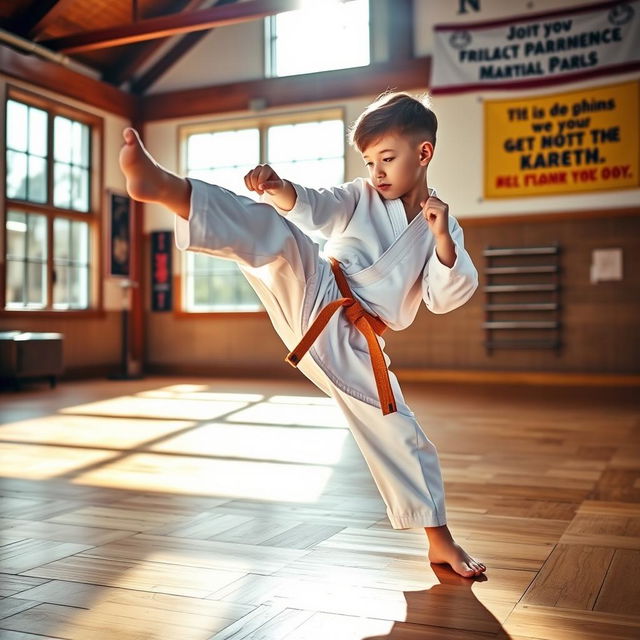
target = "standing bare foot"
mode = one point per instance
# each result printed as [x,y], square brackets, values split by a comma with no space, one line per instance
[147,181]
[444,550]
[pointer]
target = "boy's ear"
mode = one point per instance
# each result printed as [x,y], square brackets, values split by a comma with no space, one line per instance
[426,152]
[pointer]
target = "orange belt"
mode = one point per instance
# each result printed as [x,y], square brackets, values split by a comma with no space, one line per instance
[368,326]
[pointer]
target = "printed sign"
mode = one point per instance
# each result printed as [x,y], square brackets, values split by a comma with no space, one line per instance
[528,51]
[580,141]
[161,287]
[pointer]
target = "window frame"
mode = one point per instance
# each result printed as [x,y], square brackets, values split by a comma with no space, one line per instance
[93,216]
[262,123]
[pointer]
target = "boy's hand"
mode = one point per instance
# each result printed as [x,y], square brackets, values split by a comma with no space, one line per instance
[264,178]
[436,213]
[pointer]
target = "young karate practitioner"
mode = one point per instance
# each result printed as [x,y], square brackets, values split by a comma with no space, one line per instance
[391,244]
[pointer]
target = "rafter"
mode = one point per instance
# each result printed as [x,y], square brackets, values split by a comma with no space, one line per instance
[161,66]
[171,25]
[167,61]
[126,65]
[288,90]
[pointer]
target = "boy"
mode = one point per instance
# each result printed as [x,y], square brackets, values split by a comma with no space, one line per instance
[391,244]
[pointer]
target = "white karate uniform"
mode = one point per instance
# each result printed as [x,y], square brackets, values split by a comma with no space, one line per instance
[391,266]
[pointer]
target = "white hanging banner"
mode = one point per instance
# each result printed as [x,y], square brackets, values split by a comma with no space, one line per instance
[537,50]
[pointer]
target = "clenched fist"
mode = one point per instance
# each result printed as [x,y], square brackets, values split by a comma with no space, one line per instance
[263,179]
[436,213]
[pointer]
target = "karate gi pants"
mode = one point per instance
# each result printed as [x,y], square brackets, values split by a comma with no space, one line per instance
[294,282]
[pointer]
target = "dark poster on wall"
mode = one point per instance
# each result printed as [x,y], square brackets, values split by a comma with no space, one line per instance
[161,293]
[120,234]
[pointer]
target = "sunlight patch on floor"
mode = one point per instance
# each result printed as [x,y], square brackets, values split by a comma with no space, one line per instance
[204,476]
[90,431]
[35,462]
[170,392]
[308,400]
[291,414]
[286,444]
[185,439]
[161,408]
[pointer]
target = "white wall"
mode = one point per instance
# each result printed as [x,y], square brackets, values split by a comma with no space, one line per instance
[236,53]
[225,55]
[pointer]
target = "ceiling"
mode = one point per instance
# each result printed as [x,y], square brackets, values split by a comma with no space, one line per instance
[129,43]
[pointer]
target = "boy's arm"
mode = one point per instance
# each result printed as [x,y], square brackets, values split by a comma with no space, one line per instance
[322,211]
[445,288]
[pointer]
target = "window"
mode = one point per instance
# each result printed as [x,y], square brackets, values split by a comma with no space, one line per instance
[323,35]
[51,217]
[309,152]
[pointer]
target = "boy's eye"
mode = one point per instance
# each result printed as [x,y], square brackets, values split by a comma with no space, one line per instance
[387,159]
[369,164]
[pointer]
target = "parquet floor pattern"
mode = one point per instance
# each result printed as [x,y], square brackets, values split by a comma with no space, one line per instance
[243,510]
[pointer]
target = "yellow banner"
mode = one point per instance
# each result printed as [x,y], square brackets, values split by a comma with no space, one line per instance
[586,140]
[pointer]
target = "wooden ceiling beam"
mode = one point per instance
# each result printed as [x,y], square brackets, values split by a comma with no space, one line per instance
[171,25]
[161,66]
[341,84]
[126,66]
[158,69]
[63,81]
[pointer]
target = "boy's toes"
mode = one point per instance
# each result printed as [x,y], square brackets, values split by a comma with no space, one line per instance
[464,569]
[129,135]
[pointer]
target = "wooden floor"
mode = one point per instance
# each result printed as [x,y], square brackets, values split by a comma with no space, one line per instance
[203,509]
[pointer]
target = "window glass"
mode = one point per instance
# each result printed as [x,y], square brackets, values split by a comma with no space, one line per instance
[223,158]
[310,153]
[71,264]
[26,260]
[41,144]
[71,166]
[322,35]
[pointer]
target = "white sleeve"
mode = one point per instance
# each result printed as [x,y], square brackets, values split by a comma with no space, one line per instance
[447,288]
[322,211]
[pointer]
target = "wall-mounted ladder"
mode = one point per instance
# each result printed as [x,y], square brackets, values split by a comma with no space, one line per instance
[522,309]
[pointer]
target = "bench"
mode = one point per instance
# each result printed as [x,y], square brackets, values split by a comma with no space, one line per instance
[26,354]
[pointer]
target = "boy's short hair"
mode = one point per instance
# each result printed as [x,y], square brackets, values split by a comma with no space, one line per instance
[394,112]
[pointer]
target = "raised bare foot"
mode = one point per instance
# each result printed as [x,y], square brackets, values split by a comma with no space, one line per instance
[144,176]
[450,552]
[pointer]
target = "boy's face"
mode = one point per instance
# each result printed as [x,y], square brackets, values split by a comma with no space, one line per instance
[396,165]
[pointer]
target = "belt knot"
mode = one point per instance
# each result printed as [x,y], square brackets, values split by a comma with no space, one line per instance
[369,325]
